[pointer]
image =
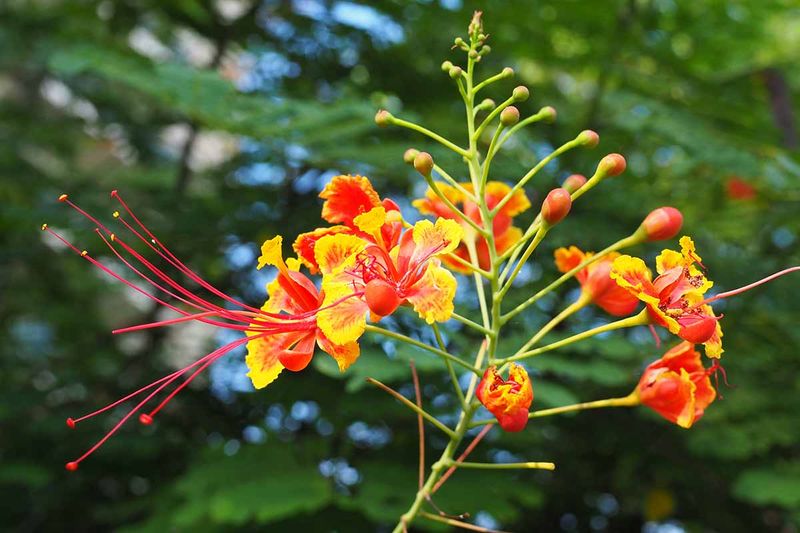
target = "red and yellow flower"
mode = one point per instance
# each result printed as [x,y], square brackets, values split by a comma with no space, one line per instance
[674,298]
[346,197]
[505,233]
[595,279]
[294,294]
[677,386]
[507,399]
[384,278]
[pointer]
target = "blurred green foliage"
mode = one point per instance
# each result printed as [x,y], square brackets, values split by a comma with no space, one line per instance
[219,121]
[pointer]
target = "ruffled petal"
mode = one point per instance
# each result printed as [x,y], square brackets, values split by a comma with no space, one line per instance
[433,205]
[507,239]
[714,344]
[568,258]
[346,197]
[432,296]
[432,239]
[345,321]
[672,395]
[271,253]
[497,190]
[667,260]
[371,221]
[262,358]
[306,242]
[344,354]
[632,274]
[335,252]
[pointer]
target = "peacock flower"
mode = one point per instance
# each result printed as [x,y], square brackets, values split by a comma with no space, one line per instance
[674,299]
[677,386]
[290,294]
[280,334]
[505,233]
[346,197]
[596,283]
[507,399]
[385,278]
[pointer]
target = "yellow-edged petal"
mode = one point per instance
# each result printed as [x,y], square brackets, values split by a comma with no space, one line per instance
[333,251]
[686,416]
[433,295]
[371,221]
[344,354]
[262,359]
[271,252]
[436,239]
[345,321]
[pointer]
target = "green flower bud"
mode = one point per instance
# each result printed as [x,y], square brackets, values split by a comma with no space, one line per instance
[473,54]
[612,165]
[446,66]
[548,114]
[455,72]
[423,162]
[588,138]
[508,72]
[409,155]
[520,93]
[383,118]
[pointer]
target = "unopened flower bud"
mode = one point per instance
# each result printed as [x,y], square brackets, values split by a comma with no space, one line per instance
[612,165]
[662,223]
[482,37]
[487,104]
[473,53]
[485,50]
[383,118]
[573,183]
[423,162]
[556,206]
[455,72]
[409,155]
[548,113]
[520,93]
[508,72]
[509,116]
[458,41]
[588,138]
[446,66]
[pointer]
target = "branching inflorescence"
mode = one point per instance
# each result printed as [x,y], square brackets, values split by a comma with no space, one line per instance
[370,262]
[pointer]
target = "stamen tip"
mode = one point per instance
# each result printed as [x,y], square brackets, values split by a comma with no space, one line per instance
[44,227]
[72,466]
[115,214]
[63,198]
[145,419]
[112,237]
[84,253]
[70,423]
[114,193]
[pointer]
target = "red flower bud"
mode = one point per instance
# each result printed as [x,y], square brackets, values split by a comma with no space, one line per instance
[508,400]
[612,165]
[423,162]
[381,297]
[556,206]
[677,386]
[662,223]
[698,330]
[573,183]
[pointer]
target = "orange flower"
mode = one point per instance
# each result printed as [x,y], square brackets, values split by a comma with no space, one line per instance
[346,197]
[677,386]
[596,282]
[295,294]
[384,278]
[675,298]
[508,400]
[505,234]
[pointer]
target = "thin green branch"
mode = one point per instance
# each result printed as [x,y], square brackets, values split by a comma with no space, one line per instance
[469,323]
[450,369]
[435,136]
[408,340]
[411,405]
[505,466]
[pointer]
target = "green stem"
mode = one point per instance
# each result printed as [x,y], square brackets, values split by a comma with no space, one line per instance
[443,197]
[583,300]
[408,340]
[435,136]
[504,466]
[531,248]
[449,179]
[620,244]
[469,323]
[630,400]
[532,172]
[489,81]
[469,266]
[450,369]
[640,319]
[491,116]
[414,407]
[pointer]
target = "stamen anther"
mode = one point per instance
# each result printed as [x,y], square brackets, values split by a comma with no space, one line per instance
[44,227]
[70,423]
[72,466]
[145,419]
[63,198]
[115,214]
[84,253]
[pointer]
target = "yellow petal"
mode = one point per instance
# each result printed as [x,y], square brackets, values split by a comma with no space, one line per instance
[371,221]
[344,354]
[271,253]
[342,319]
[686,416]
[433,295]
[436,239]
[333,251]
[667,260]
[262,359]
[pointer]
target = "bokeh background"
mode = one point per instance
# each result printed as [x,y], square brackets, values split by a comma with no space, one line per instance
[220,121]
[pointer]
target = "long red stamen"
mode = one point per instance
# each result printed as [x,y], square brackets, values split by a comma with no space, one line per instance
[753,285]
[162,384]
